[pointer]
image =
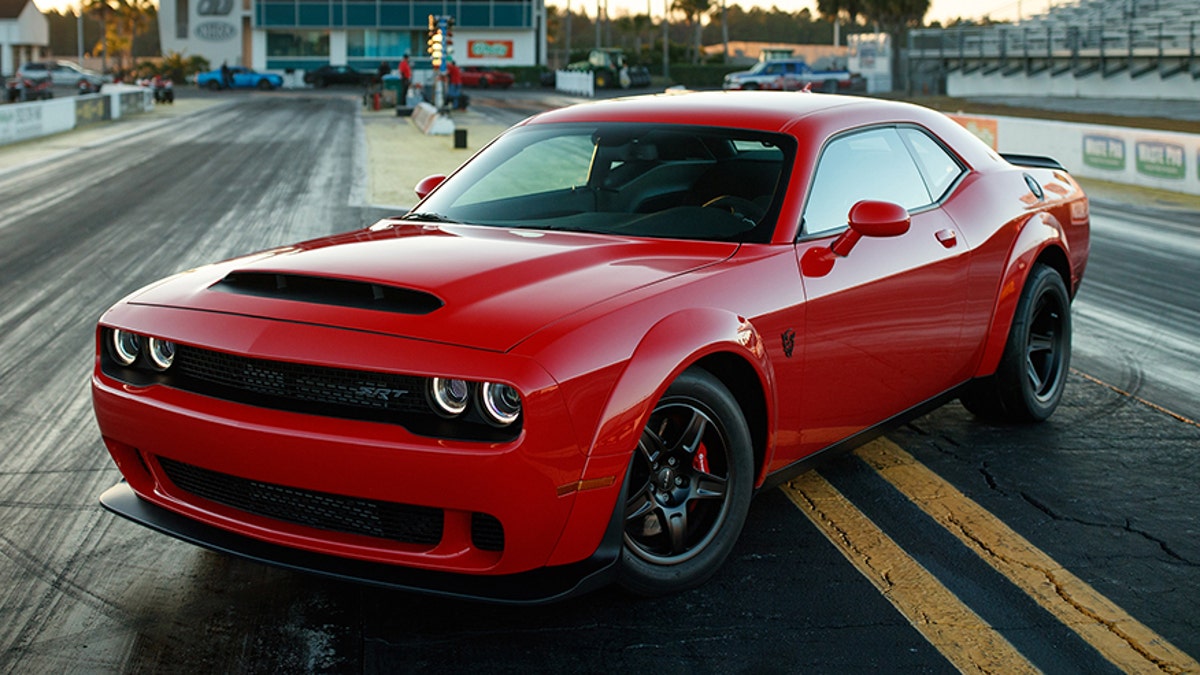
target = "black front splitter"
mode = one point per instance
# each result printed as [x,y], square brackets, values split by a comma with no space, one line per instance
[534,587]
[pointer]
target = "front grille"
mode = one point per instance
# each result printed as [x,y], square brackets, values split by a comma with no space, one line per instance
[297,385]
[386,520]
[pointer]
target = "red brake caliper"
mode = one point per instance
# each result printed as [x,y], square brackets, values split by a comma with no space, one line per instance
[700,461]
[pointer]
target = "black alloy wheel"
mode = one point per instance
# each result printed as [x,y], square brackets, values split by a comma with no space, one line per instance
[688,488]
[1032,375]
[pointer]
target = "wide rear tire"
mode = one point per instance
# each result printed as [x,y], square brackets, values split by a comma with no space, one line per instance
[688,488]
[1028,385]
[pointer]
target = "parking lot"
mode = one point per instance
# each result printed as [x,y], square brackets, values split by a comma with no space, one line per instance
[950,545]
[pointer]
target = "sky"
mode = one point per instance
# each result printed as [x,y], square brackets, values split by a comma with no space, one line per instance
[939,10]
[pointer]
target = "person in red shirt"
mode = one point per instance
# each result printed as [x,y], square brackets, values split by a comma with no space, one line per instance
[454,80]
[405,79]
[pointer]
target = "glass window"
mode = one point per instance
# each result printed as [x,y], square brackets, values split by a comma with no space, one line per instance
[640,180]
[871,164]
[391,44]
[939,167]
[297,43]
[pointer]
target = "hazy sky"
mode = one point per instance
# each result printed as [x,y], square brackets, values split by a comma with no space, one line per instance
[942,10]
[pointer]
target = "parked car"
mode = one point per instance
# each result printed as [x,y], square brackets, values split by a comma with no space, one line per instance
[327,75]
[479,76]
[65,73]
[241,78]
[578,357]
[793,75]
[20,88]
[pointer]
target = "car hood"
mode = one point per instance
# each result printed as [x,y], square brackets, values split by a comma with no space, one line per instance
[483,287]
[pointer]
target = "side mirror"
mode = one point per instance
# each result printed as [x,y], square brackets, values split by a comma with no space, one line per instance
[870,218]
[427,185]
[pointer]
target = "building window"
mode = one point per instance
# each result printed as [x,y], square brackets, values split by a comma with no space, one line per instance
[298,43]
[388,44]
[181,19]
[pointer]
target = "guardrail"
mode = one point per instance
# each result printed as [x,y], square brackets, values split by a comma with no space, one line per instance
[25,121]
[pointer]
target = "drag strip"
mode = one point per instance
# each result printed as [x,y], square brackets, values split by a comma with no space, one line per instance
[1103,494]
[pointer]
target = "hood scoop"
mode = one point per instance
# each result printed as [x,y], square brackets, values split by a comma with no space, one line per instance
[328,291]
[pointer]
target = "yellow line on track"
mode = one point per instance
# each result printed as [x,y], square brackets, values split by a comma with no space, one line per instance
[1124,641]
[956,631]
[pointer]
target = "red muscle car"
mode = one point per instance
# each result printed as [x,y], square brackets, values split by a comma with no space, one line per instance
[580,356]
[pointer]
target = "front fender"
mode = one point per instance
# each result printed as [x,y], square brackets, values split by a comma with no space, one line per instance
[668,348]
[1041,235]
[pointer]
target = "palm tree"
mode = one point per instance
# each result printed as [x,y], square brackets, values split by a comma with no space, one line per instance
[693,10]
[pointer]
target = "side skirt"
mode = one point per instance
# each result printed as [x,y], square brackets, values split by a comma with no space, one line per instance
[812,461]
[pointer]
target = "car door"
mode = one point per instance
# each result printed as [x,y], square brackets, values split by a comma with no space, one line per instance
[883,329]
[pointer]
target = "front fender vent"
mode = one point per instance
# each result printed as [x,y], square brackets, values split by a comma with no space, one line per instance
[328,291]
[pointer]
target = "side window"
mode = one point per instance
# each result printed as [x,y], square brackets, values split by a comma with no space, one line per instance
[872,164]
[939,168]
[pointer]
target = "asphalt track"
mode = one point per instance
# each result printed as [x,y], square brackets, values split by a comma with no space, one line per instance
[1070,546]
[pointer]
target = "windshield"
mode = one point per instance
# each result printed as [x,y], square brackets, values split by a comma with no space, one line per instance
[680,182]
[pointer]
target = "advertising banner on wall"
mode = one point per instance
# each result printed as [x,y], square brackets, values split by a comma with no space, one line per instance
[1157,159]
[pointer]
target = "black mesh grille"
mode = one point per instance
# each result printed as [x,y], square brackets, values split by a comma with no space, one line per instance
[387,520]
[296,382]
[486,532]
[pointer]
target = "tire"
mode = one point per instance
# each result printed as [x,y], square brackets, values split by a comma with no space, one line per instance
[688,488]
[213,85]
[1029,382]
[601,80]
[750,86]
[484,83]
[265,85]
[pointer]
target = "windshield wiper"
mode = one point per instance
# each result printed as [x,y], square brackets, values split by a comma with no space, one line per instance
[428,217]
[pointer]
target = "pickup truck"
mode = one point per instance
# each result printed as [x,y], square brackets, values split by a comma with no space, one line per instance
[794,74]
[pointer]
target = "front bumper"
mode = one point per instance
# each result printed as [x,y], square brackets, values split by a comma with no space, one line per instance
[537,586]
[283,486]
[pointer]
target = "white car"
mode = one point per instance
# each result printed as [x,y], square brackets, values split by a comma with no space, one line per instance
[65,73]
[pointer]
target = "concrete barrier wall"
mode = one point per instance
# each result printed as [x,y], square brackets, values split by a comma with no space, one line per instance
[1096,85]
[1156,159]
[25,121]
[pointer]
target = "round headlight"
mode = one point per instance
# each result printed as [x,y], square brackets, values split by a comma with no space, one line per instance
[124,346]
[161,353]
[449,396]
[501,402]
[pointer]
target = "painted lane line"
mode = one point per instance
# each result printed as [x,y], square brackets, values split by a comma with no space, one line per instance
[1119,637]
[968,642]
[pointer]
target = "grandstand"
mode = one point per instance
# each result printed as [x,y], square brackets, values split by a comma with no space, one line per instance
[1091,48]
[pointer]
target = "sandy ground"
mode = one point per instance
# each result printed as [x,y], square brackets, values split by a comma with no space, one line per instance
[399,155]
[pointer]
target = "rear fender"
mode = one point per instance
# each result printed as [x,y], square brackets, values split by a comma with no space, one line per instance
[1041,236]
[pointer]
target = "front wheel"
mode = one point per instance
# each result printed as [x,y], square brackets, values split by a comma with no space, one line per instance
[265,85]
[1029,382]
[688,488]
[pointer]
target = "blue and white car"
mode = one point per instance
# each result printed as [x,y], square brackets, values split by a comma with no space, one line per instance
[241,78]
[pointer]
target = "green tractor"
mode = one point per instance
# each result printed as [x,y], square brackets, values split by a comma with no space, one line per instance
[610,69]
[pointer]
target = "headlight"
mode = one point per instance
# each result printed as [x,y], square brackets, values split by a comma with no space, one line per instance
[124,346]
[161,353]
[449,396]
[501,403]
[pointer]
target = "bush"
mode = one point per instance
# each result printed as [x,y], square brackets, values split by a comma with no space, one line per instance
[701,76]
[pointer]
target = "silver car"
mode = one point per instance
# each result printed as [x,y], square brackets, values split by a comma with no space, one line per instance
[65,73]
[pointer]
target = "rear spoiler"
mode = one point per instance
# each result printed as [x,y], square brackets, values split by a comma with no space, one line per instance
[1035,161]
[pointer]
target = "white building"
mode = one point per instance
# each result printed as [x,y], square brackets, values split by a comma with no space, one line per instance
[298,35]
[24,34]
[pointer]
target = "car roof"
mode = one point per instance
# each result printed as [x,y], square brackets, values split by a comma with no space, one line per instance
[810,118]
[767,111]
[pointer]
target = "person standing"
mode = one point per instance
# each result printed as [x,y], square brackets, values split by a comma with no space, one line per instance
[454,80]
[405,79]
[226,76]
